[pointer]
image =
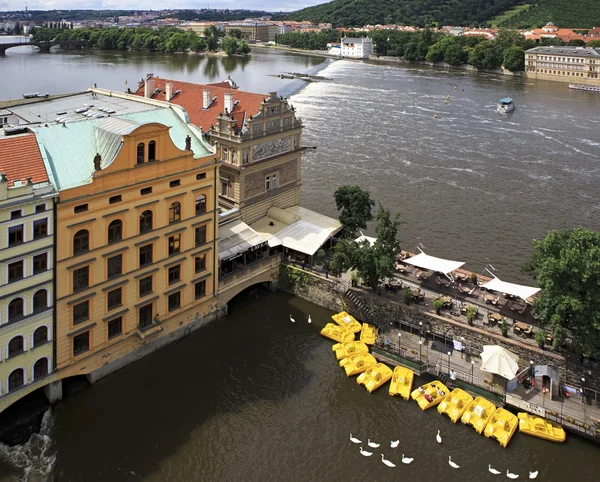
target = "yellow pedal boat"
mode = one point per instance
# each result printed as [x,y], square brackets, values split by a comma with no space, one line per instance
[344,350]
[375,376]
[401,383]
[455,404]
[337,333]
[347,321]
[355,364]
[368,334]
[539,427]
[430,394]
[501,426]
[478,413]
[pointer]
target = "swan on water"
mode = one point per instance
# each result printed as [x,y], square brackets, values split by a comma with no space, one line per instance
[292,319]
[394,443]
[387,462]
[493,471]
[533,475]
[309,320]
[365,453]
[372,444]
[452,464]
[511,476]
[438,437]
[354,440]
[406,460]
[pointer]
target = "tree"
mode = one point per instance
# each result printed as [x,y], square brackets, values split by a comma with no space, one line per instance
[566,266]
[354,206]
[235,33]
[244,48]
[485,56]
[230,45]
[514,58]
[455,54]
[594,44]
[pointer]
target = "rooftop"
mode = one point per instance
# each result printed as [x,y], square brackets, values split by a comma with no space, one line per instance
[20,158]
[564,50]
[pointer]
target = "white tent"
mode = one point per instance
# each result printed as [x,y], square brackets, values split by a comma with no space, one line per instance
[521,291]
[425,261]
[496,359]
[362,238]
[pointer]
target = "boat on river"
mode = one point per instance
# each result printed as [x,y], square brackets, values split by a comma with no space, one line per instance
[455,404]
[589,88]
[541,428]
[347,321]
[501,426]
[344,350]
[430,394]
[505,105]
[478,413]
[374,377]
[368,334]
[337,333]
[355,364]
[402,380]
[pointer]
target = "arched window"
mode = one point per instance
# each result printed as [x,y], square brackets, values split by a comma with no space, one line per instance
[40,368]
[175,212]
[15,310]
[81,242]
[40,335]
[15,346]
[146,222]
[40,300]
[151,151]
[140,153]
[16,379]
[115,229]
[200,204]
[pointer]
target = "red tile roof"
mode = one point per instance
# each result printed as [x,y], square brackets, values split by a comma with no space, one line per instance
[20,158]
[190,98]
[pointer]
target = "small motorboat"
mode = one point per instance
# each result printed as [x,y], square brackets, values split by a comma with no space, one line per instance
[505,105]
[455,404]
[478,413]
[539,427]
[430,394]
[355,364]
[337,333]
[374,377]
[501,426]
[344,350]
[401,384]
[368,334]
[347,321]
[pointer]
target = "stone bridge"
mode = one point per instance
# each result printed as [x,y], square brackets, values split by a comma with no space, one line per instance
[45,46]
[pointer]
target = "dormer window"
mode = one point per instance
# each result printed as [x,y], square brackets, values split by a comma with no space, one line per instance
[152,151]
[141,153]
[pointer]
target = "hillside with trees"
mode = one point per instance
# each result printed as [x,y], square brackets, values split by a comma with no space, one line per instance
[564,13]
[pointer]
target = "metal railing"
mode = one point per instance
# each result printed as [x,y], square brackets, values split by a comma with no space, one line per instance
[249,269]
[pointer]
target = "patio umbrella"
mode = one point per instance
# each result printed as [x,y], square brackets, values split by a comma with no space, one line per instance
[500,361]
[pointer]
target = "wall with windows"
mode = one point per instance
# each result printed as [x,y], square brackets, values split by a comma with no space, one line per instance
[566,64]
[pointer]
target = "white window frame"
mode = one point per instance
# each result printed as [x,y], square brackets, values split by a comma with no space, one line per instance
[267,183]
[33,365]
[224,154]
[15,261]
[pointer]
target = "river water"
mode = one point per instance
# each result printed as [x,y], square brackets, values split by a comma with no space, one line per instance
[255,397]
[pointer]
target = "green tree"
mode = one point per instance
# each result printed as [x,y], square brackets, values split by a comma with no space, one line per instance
[514,58]
[566,266]
[485,56]
[354,206]
[244,48]
[455,54]
[594,44]
[235,33]
[230,45]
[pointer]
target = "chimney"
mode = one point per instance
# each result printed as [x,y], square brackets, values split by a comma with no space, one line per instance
[205,98]
[149,88]
[228,102]
[168,90]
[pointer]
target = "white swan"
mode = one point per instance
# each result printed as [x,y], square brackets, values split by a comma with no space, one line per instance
[438,437]
[453,464]
[394,443]
[406,460]
[354,440]
[372,444]
[365,453]
[511,476]
[387,462]
[292,319]
[533,475]
[493,471]
[309,320]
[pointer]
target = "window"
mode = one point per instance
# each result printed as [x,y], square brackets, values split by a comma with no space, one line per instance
[200,263]
[115,266]
[200,204]
[152,151]
[40,208]
[200,176]
[146,222]
[223,188]
[81,278]
[224,154]
[145,286]
[81,343]
[40,336]
[274,181]
[40,368]
[268,183]
[80,209]
[200,289]
[175,183]
[145,316]
[81,312]
[81,242]
[175,212]
[114,298]
[174,274]
[200,235]
[40,300]
[146,190]
[145,255]
[16,379]
[16,214]
[40,228]
[15,310]
[174,244]
[115,199]
[40,263]
[271,182]
[15,271]
[15,235]
[115,231]
[175,301]
[15,346]
[140,153]
[115,327]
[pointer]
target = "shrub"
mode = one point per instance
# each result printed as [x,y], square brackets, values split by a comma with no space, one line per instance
[438,305]
[540,338]
[471,314]
[407,295]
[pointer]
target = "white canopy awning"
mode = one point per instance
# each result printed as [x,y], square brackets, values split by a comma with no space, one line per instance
[521,291]
[237,237]
[425,261]
[301,236]
[362,238]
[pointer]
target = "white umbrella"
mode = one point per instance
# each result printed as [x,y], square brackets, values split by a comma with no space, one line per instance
[500,361]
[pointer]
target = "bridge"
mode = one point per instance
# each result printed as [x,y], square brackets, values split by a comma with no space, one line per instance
[45,46]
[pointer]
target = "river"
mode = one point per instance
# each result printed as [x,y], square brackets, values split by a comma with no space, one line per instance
[255,397]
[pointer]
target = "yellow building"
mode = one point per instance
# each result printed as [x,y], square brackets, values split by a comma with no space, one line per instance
[578,65]
[252,31]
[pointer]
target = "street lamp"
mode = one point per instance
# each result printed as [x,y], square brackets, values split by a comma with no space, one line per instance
[582,390]
[449,353]
[420,328]
[472,367]
[531,369]
[400,343]
[462,346]
[420,345]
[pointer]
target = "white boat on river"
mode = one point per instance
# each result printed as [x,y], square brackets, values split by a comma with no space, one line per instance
[505,105]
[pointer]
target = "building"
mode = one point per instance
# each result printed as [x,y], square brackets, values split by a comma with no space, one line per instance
[253,31]
[357,47]
[567,64]
[284,29]
[199,27]
[26,267]
[552,31]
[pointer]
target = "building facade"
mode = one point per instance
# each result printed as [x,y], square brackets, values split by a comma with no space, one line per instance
[566,64]
[356,47]
[252,31]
